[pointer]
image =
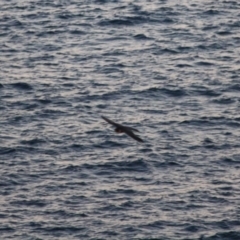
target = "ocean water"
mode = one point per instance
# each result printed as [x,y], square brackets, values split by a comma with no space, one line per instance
[171,69]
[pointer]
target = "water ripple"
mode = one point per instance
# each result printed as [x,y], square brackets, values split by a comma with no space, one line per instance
[169,69]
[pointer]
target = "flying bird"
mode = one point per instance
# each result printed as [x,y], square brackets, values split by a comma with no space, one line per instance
[124,129]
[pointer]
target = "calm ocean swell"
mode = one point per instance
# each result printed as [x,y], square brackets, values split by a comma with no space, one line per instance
[167,68]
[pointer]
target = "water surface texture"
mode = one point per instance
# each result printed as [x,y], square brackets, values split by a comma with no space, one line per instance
[168,68]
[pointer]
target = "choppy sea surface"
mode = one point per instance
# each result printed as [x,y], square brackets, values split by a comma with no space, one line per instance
[171,69]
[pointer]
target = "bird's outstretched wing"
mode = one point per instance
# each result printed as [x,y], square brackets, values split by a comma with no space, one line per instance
[118,125]
[132,135]
[111,122]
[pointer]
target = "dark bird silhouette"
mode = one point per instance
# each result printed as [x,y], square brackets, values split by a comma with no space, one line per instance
[124,129]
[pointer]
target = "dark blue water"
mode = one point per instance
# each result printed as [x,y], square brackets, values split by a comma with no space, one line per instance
[168,68]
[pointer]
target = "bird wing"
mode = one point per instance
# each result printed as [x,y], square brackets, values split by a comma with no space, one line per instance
[111,122]
[132,135]
[119,125]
